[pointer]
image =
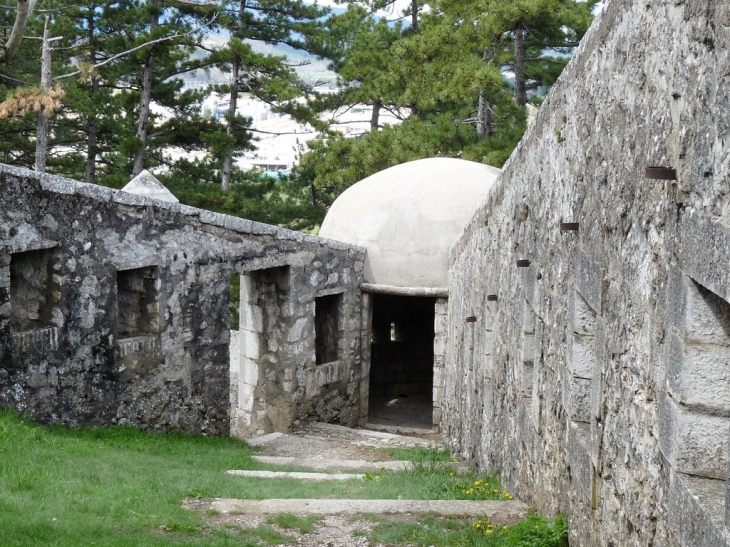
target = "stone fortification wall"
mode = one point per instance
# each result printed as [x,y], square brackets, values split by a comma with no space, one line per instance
[114,308]
[596,380]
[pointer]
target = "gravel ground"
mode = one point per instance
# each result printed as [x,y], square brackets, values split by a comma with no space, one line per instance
[314,440]
[331,531]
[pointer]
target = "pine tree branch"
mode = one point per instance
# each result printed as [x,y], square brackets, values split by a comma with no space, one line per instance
[141,46]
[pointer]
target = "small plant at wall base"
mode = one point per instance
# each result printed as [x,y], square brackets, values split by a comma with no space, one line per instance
[536,531]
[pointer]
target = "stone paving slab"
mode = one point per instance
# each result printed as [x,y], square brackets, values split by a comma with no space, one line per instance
[329,465]
[399,429]
[498,512]
[297,475]
[363,436]
[260,441]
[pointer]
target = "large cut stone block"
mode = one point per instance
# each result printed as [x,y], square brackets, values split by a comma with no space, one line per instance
[577,398]
[582,356]
[693,442]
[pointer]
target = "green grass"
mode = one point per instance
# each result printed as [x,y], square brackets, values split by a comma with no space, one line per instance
[118,486]
[536,531]
[305,525]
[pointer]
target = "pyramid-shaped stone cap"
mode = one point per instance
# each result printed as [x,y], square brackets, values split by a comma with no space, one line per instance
[146,184]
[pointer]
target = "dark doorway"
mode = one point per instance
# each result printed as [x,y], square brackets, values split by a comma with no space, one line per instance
[401,365]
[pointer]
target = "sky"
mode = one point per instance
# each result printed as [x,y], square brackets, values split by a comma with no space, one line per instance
[397,8]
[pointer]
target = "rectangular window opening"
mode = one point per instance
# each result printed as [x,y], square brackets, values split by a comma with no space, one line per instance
[31,291]
[137,302]
[327,328]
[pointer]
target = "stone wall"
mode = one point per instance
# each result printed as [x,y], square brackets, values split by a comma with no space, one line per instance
[114,309]
[596,379]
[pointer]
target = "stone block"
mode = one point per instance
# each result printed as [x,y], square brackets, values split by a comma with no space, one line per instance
[676,299]
[259,228]
[693,442]
[581,468]
[582,361]
[695,510]
[214,219]
[439,345]
[238,224]
[529,351]
[245,398]
[252,318]
[597,395]
[189,211]
[708,316]
[528,371]
[94,191]
[250,345]
[704,379]
[705,243]
[59,185]
[588,279]
[528,319]
[577,398]
[290,235]
[125,198]
[583,317]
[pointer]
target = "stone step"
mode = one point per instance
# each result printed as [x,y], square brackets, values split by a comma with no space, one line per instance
[297,475]
[334,465]
[365,437]
[402,431]
[498,512]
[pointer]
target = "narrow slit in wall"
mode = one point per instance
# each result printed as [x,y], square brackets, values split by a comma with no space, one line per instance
[327,328]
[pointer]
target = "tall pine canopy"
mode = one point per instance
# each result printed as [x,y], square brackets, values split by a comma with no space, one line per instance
[95,91]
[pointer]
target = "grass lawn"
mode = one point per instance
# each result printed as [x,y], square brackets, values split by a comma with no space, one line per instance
[117,486]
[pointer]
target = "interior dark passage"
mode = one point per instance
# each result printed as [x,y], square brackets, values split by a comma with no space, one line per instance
[401,369]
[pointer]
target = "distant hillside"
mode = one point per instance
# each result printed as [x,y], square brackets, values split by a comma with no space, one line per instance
[308,67]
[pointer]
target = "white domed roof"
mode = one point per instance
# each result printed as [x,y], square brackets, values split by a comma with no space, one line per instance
[408,217]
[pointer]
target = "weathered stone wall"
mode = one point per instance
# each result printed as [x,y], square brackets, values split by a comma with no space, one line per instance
[114,309]
[598,381]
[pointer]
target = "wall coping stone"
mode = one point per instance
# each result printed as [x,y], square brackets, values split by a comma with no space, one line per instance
[62,185]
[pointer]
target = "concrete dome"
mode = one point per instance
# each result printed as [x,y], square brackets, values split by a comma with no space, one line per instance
[408,217]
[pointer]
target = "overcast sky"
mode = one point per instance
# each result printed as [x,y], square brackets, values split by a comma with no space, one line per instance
[396,10]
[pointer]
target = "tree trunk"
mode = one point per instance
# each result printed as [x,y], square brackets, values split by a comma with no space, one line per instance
[375,118]
[519,68]
[144,104]
[41,143]
[414,16]
[485,127]
[91,127]
[230,129]
[11,46]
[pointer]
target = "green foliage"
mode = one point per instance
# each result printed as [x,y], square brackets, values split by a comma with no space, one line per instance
[445,78]
[234,305]
[259,197]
